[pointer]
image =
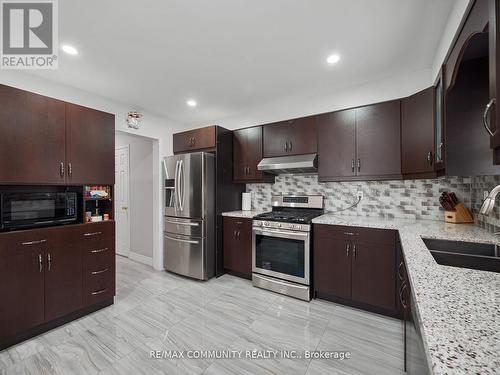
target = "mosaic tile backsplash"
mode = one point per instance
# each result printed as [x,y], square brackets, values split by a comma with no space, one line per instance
[412,199]
[479,185]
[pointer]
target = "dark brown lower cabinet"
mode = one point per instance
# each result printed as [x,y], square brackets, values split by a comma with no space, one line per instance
[332,267]
[21,283]
[52,275]
[373,274]
[238,246]
[356,266]
[63,273]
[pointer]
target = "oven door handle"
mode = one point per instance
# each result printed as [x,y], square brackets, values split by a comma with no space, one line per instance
[283,282]
[279,233]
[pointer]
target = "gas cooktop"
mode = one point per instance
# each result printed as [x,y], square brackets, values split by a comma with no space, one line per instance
[299,209]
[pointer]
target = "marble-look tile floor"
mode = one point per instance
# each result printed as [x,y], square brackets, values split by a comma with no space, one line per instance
[160,311]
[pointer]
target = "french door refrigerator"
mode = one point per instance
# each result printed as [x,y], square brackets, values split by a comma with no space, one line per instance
[189,223]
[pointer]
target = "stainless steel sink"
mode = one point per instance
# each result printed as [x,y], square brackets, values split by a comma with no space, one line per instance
[465,254]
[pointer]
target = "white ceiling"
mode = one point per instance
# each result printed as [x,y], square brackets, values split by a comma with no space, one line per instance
[234,55]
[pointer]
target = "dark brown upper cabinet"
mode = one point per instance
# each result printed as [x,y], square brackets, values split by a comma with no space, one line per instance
[472,141]
[361,143]
[247,153]
[336,145]
[291,137]
[47,141]
[417,134]
[32,141]
[202,139]
[378,140]
[90,146]
[494,78]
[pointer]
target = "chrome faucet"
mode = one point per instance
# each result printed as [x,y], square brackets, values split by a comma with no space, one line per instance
[489,202]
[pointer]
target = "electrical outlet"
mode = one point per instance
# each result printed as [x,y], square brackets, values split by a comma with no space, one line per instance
[485,194]
[360,195]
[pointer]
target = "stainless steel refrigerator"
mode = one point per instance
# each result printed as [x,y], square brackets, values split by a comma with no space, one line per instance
[189,223]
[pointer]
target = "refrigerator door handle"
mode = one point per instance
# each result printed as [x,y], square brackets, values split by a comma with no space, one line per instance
[182,185]
[176,185]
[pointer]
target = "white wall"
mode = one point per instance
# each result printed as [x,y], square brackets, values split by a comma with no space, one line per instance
[140,194]
[454,19]
[153,126]
[396,86]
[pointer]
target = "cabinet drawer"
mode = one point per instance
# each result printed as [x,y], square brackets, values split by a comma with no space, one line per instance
[374,236]
[99,287]
[97,233]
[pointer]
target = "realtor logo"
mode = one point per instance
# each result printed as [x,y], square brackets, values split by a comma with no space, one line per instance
[29,37]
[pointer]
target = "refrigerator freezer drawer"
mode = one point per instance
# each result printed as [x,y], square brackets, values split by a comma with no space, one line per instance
[185,255]
[185,227]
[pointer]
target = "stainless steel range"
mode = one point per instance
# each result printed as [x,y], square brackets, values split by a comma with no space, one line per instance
[281,244]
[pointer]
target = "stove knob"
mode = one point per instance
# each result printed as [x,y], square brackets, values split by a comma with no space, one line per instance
[265,223]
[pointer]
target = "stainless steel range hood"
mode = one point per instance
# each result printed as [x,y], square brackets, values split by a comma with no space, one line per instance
[290,164]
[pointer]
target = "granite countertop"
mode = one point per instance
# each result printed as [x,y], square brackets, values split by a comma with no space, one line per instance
[458,309]
[244,214]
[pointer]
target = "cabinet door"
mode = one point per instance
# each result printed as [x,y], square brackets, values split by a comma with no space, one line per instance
[336,145]
[332,267]
[254,153]
[247,154]
[197,139]
[378,140]
[238,246]
[417,132]
[90,146]
[32,141]
[240,170]
[303,136]
[494,75]
[63,274]
[374,275]
[22,264]
[276,137]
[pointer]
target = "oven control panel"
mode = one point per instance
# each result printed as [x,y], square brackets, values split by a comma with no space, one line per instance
[281,225]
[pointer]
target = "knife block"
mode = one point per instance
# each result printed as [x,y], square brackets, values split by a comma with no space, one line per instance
[461,215]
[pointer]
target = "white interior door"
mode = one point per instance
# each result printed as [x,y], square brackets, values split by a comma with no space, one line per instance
[122,187]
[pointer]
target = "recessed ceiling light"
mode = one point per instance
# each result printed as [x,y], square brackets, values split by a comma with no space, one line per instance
[333,59]
[191,103]
[70,50]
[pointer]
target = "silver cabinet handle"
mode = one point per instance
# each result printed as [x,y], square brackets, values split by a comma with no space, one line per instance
[286,146]
[352,166]
[91,234]
[40,263]
[238,235]
[99,292]
[37,242]
[61,169]
[354,250]
[70,169]
[400,273]
[485,117]
[182,223]
[291,145]
[99,272]
[347,250]
[349,233]
[99,250]
[359,165]
[401,299]
[179,240]
[49,260]
[429,157]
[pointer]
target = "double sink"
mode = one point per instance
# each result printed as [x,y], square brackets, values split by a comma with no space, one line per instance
[478,256]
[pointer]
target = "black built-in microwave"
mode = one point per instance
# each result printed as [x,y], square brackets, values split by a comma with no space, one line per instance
[37,208]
